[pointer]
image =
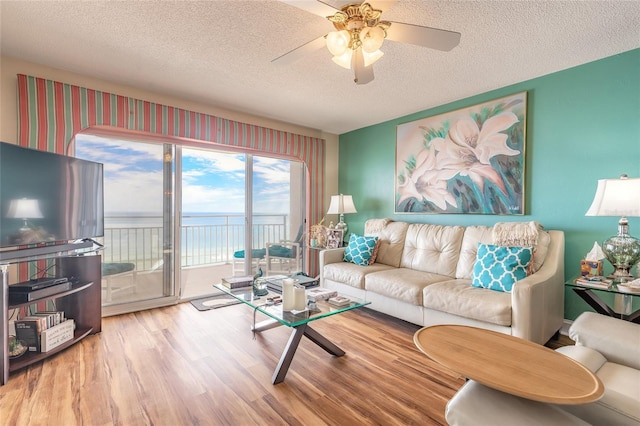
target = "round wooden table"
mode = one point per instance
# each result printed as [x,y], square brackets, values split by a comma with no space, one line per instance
[510,364]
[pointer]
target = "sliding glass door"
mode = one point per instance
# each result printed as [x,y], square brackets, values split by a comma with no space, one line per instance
[138,243]
[226,233]
[277,215]
[212,218]
[179,219]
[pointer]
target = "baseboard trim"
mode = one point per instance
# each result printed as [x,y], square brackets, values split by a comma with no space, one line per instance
[564,330]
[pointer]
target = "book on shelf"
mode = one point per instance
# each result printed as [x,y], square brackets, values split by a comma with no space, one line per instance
[28,330]
[339,301]
[238,282]
[594,281]
[32,328]
[57,316]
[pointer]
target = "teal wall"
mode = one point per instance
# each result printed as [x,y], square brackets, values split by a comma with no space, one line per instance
[583,124]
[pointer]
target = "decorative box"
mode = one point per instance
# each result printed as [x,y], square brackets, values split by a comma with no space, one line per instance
[590,267]
[53,337]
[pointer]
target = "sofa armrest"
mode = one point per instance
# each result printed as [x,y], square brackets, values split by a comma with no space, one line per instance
[476,404]
[617,340]
[331,256]
[537,302]
[328,256]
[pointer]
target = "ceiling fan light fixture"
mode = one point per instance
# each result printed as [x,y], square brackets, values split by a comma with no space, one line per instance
[372,38]
[371,57]
[338,42]
[344,60]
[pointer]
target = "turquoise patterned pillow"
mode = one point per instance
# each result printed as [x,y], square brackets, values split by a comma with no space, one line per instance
[498,268]
[360,249]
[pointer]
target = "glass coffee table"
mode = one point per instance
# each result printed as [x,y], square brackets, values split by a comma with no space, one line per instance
[297,320]
[623,300]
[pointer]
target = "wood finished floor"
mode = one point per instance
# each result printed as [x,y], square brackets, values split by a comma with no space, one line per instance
[179,366]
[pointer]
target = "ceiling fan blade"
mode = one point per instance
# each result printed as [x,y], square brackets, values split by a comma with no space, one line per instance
[363,75]
[300,51]
[433,38]
[384,5]
[312,6]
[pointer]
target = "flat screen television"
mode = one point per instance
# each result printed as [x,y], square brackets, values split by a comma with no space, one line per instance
[48,198]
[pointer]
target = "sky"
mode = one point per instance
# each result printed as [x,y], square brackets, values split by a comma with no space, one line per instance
[213,181]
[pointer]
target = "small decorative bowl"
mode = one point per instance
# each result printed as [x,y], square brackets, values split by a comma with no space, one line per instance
[16,347]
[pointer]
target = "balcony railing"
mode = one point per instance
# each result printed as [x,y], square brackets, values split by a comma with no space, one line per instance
[204,239]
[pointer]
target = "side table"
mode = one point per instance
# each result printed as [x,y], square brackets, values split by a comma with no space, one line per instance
[592,297]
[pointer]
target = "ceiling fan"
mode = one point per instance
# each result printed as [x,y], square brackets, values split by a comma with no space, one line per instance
[359,34]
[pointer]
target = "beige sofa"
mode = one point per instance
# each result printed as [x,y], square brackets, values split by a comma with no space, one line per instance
[422,274]
[609,347]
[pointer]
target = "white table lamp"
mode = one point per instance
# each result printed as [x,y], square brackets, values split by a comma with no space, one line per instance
[619,197]
[341,204]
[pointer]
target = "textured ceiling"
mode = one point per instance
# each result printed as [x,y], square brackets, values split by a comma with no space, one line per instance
[220,52]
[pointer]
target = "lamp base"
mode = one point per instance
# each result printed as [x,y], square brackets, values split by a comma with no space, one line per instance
[623,252]
[342,225]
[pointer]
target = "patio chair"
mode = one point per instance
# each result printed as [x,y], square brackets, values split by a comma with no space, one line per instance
[280,257]
[257,256]
[117,277]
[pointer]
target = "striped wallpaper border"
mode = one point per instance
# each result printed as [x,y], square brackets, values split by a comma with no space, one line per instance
[51,113]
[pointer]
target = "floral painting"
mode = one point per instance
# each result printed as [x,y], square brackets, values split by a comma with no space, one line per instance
[465,161]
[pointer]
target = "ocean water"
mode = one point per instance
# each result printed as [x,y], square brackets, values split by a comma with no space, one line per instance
[207,238]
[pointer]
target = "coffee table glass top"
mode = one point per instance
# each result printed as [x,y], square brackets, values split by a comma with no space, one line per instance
[292,318]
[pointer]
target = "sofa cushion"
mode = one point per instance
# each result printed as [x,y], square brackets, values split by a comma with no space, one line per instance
[432,248]
[498,267]
[392,236]
[349,273]
[360,249]
[457,297]
[401,283]
[469,249]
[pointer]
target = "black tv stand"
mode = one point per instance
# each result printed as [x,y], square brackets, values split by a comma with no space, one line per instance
[80,301]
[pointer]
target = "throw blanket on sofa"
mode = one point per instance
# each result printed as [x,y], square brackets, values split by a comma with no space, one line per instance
[523,234]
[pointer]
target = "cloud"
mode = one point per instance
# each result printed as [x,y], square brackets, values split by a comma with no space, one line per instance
[212,181]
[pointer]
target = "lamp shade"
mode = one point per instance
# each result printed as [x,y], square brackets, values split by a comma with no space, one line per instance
[341,204]
[616,197]
[24,208]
